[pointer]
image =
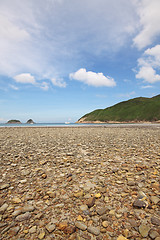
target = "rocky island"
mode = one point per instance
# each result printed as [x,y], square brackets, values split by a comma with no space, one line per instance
[14,121]
[30,121]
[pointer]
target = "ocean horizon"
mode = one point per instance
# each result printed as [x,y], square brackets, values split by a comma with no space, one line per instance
[77,124]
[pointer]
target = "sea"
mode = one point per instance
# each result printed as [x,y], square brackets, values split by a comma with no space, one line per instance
[80,125]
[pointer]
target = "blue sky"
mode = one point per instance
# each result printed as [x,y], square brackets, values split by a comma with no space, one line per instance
[60,59]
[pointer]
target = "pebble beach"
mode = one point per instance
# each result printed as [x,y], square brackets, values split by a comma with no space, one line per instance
[80,183]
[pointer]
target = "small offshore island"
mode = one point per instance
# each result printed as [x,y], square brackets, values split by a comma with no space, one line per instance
[14,121]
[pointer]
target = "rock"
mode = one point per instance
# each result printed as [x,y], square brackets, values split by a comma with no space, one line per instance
[153,234]
[93,230]
[157,238]
[50,227]
[33,229]
[4,186]
[23,217]
[16,200]
[3,207]
[79,194]
[80,225]
[83,207]
[144,230]
[51,194]
[101,210]
[90,202]
[155,221]
[139,204]
[105,224]
[41,235]
[17,212]
[155,199]
[98,195]
[28,208]
[121,238]
[70,229]
[14,231]
[62,225]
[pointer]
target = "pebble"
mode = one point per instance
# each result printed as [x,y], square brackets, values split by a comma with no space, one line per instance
[80,225]
[83,207]
[23,217]
[90,202]
[33,229]
[4,186]
[50,227]
[80,183]
[93,230]
[3,207]
[155,221]
[144,230]
[139,204]
[28,208]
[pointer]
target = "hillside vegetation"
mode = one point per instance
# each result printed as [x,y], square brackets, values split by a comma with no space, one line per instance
[137,109]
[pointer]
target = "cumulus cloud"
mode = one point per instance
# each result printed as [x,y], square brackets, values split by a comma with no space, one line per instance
[149,65]
[25,78]
[59,82]
[92,79]
[148,12]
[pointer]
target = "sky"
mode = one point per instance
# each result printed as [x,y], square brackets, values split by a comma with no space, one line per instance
[60,59]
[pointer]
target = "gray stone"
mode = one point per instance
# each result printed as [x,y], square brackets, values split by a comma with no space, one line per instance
[94,230]
[4,186]
[28,208]
[101,211]
[155,221]
[155,199]
[80,225]
[144,230]
[139,203]
[50,227]
[153,234]
[84,207]
[3,207]
[23,217]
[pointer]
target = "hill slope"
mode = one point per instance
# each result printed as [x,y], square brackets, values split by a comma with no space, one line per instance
[137,109]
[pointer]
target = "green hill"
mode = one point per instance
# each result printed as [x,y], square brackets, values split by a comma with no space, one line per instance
[137,109]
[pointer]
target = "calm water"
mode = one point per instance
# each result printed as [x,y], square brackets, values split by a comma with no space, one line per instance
[80,124]
[49,125]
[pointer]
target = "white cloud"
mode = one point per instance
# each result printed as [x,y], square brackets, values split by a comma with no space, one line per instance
[148,11]
[59,82]
[44,86]
[44,40]
[13,87]
[92,78]
[149,65]
[146,86]
[25,78]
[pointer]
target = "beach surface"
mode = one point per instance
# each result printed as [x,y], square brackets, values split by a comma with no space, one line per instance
[80,183]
